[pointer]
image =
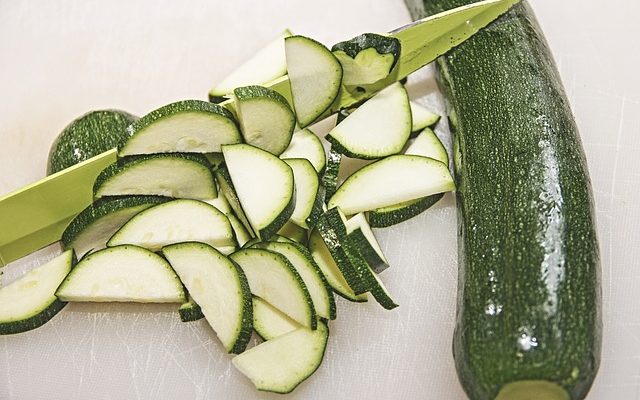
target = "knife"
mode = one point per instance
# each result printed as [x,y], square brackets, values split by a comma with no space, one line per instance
[36,215]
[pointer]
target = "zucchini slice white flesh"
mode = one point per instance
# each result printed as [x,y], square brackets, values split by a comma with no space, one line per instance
[30,301]
[427,144]
[122,274]
[391,181]
[315,75]
[219,287]
[329,268]
[306,144]
[92,228]
[189,126]
[229,192]
[171,175]
[177,221]
[269,322]
[266,119]
[264,66]
[281,364]
[378,128]
[272,278]
[421,117]
[362,237]
[309,194]
[264,185]
[221,203]
[317,285]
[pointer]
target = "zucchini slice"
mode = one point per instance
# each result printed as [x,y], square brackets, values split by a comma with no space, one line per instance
[266,119]
[309,194]
[229,192]
[91,229]
[378,128]
[279,365]
[267,64]
[239,230]
[365,241]
[264,185]
[188,126]
[306,144]
[330,176]
[171,175]
[272,278]
[269,322]
[421,117]
[317,285]
[367,58]
[190,311]
[390,181]
[291,232]
[315,75]
[329,268]
[177,221]
[391,215]
[30,301]
[87,136]
[122,274]
[427,144]
[219,287]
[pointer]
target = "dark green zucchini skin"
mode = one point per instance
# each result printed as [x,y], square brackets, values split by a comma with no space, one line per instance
[529,295]
[87,136]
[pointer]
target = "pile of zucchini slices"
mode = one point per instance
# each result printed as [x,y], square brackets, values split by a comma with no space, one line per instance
[234,209]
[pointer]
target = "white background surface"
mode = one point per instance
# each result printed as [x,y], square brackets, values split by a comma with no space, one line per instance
[59,59]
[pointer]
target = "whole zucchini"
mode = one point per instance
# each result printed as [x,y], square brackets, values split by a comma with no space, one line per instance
[528,322]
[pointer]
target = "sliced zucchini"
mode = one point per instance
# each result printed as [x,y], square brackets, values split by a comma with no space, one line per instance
[306,144]
[293,232]
[332,230]
[269,322]
[122,274]
[329,268]
[272,278]
[30,301]
[330,176]
[315,75]
[378,128]
[241,234]
[390,181]
[264,66]
[266,119]
[229,192]
[190,311]
[391,215]
[219,286]
[317,285]
[281,364]
[427,144]
[188,126]
[367,58]
[172,175]
[309,194]
[92,228]
[365,241]
[177,221]
[215,159]
[264,185]
[422,117]
[87,136]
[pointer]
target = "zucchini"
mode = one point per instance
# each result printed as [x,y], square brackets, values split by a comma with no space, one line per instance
[367,58]
[87,136]
[292,232]
[172,175]
[30,301]
[529,319]
[309,194]
[188,126]
[223,179]
[190,311]
[266,119]
[330,176]
[269,322]
[386,216]
[427,144]
[421,117]
[362,236]
[306,144]
[91,229]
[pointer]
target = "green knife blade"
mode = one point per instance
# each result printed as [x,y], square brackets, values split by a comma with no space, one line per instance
[36,216]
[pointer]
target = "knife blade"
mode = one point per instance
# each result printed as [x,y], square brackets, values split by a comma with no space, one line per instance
[36,215]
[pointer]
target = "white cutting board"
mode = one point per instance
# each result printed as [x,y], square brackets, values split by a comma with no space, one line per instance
[59,59]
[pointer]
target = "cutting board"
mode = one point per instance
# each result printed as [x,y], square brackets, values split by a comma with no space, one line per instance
[60,59]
